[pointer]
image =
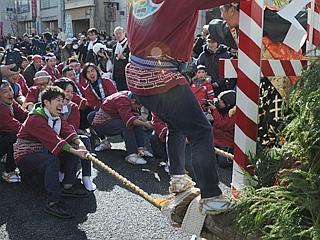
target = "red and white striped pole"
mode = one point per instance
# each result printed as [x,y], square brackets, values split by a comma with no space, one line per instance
[313,27]
[249,74]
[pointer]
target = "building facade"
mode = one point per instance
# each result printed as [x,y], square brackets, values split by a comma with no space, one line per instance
[7,18]
[75,16]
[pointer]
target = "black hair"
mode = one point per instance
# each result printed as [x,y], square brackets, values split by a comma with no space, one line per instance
[92,30]
[201,67]
[50,93]
[85,70]
[66,69]
[64,82]
[235,5]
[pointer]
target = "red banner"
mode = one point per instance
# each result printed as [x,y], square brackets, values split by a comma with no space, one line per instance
[34,8]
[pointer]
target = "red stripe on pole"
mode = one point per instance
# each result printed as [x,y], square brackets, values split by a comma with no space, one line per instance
[249,127]
[266,69]
[235,64]
[316,37]
[248,87]
[317,6]
[250,48]
[287,67]
[242,158]
[253,10]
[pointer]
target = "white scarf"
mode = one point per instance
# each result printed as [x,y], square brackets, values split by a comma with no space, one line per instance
[57,125]
[119,49]
[91,43]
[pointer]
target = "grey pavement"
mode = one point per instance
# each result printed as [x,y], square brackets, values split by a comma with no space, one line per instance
[111,212]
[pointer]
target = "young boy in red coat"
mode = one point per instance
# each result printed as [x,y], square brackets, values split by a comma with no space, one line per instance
[12,116]
[202,88]
[45,142]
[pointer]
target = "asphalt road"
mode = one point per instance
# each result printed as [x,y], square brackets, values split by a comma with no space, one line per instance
[111,212]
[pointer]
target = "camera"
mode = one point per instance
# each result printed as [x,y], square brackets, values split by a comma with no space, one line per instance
[213,102]
[13,56]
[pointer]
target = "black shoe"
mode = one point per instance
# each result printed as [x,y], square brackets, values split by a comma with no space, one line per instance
[58,209]
[74,192]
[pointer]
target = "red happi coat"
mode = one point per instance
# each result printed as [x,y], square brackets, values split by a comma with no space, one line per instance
[53,72]
[11,118]
[73,115]
[23,84]
[93,101]
[33,95]
[35,135]
[116,106]
[160,127]
[79,100]
[157,32]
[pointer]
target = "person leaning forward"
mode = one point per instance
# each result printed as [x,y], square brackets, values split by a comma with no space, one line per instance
[154,76]
[44,143]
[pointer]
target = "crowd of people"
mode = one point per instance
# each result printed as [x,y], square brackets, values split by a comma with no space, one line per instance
[69,95]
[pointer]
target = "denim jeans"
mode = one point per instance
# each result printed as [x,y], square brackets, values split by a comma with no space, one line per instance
[181,111]
[158,148]
[133,137]
[48,165]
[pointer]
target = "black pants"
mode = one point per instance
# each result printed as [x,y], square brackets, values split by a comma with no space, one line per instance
[6,147]
[84,123]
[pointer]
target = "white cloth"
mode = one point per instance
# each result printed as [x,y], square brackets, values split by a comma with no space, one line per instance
[119,49]
[61,36]
[91,43]
[57,126]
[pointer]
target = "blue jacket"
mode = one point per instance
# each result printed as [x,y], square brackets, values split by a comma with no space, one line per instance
[211,61]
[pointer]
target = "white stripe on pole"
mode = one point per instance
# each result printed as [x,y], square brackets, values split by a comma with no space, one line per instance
[247,106]
[246,144]
[248,66]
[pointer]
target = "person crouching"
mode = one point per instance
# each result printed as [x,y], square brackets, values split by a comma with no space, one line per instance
[45,142]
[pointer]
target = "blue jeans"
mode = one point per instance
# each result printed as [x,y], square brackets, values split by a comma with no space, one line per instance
[48,165]
[181,111]
[133,137]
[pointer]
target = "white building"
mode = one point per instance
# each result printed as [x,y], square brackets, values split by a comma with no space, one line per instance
[7,18]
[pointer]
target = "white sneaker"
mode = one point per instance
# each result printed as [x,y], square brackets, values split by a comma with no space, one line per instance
[180,184]
[88,184]
[83,132]
[135,159]
[144,152]
[11,177]
[104,145]
[215,205]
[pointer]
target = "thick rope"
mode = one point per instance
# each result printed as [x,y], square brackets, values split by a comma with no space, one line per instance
[224,154]
[157,202]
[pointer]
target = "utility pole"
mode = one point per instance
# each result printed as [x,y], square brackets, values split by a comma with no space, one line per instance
[63,14]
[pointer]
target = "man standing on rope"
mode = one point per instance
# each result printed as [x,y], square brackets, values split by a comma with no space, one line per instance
[160,36]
